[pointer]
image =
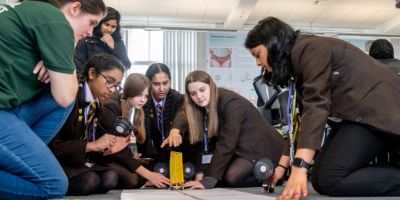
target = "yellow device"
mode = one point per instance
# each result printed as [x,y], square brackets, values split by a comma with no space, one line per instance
[176,170]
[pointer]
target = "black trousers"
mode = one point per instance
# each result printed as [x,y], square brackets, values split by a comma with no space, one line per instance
[343,168]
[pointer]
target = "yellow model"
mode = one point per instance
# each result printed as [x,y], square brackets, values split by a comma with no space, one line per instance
[176,170]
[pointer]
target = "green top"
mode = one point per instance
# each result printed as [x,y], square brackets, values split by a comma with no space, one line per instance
[31,31]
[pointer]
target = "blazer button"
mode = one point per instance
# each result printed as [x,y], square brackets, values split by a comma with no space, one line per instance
[358,119]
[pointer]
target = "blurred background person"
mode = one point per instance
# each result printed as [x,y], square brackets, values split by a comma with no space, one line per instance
[106,38]
[382,50]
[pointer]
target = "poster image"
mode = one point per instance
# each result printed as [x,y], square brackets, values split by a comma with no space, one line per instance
[220,57]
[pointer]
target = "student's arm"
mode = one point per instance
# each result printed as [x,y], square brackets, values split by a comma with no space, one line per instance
[157,179]
[63,87]
[179,126]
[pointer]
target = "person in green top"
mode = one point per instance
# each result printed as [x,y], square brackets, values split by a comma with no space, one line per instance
[38,86]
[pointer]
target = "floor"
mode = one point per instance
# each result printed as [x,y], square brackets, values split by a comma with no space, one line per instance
[214,194]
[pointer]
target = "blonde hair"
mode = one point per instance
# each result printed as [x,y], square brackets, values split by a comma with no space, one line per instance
[194,113]
[134,85]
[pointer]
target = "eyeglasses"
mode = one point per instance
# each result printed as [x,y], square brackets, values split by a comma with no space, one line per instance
[111,83]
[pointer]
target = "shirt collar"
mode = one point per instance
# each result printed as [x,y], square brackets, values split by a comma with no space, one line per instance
[88,94]
[161,103]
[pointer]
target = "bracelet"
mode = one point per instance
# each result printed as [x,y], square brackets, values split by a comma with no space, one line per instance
[280,165]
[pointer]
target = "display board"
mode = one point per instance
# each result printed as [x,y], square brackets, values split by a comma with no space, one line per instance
[231,64]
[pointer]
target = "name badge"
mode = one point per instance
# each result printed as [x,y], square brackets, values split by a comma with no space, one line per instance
[206,158]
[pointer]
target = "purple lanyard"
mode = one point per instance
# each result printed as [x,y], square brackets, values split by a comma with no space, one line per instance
[160,118]
[87,108]
[205,137]
[290,121]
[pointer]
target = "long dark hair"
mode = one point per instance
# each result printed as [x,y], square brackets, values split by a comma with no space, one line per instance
[279,38]
[112,13]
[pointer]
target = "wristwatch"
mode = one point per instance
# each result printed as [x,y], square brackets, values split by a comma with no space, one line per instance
[299,162]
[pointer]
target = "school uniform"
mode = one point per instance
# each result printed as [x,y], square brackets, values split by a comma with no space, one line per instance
[337,81]
[242,132]
[154,134]
[69,145]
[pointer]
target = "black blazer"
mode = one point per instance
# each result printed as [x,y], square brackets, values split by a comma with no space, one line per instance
[151,146]
[242,131]
[90,46]
[68,146]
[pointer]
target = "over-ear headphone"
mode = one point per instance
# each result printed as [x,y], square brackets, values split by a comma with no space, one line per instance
[122,126]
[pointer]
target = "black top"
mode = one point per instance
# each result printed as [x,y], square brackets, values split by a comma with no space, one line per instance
[90,46]
[151,147]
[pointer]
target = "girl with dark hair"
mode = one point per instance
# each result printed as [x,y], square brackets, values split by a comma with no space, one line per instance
[229,132]
[338,84]
[37,48]
[106,38]
[130,103]
[81,152]
[160,110]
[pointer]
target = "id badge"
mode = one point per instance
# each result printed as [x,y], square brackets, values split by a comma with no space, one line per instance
[206,158]
[89,164]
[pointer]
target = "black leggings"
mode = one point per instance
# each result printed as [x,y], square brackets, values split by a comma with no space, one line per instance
[127,179]
[240,174]
[91,182]
[343,166]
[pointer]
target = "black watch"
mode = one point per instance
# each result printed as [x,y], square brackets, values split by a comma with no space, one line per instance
[299,162]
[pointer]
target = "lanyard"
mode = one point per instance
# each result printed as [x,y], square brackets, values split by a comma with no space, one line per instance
[205,137]
[292,118]
[160,118]
[89,122]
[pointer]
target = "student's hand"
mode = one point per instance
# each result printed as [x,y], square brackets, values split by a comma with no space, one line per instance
[174,139]
[109,40]
[120,143]
[137,156]
[198,176]
[278,174]
[41,72]
[296,186]
[194,185]
[104,142]
[158,180]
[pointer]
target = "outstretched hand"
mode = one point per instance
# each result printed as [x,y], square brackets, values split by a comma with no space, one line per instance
[296,186]
[174,139]
[194,185]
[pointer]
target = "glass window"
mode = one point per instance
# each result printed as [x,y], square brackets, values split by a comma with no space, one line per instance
[144,48]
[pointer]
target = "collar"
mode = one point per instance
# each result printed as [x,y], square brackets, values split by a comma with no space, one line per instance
[88,95]
[161,103]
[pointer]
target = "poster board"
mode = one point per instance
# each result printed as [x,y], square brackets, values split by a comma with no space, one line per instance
[231,64]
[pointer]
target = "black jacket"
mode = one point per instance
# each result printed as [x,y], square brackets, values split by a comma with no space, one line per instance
[90,46]
[151,147]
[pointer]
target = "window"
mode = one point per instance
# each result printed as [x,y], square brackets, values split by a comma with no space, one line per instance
[144,48]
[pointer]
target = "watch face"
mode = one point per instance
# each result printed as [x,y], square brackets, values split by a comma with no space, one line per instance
[298,162]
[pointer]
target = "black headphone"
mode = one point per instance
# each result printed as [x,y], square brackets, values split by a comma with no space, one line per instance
[122,126]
